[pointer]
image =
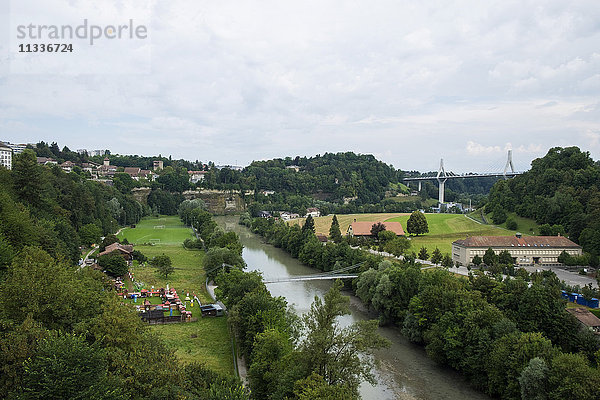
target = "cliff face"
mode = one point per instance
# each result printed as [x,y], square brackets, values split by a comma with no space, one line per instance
[141,194]
[218,202]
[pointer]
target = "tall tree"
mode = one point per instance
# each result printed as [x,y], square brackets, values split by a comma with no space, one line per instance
[436,256]
[423,254]
[335,233]
[417,223]
[309,225]
[334,352]
[490,257]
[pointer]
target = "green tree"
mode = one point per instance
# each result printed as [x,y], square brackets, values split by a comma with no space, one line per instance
[436,256]
[66,367]
[113,263]
[235,284]
[505,258]
[218,257]
[309,225]
[376,229]
[477,260]
[423,253]
[335,233]
[315,387]
[571,377]
[139,256]
[90,234]
[511,224]
[270,349]
[163,264]
[490,257]
[499,215]
[386,236]
[397,246]
[417,223]
[28,179]
[334,352]
[447,261]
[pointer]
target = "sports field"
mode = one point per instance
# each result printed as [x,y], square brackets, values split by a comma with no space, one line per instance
[163,230]
[206,340]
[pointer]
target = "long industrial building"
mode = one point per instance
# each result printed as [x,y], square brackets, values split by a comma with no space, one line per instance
[525,250]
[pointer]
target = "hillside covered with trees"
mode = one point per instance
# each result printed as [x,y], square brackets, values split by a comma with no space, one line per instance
[64,334]
[562,190]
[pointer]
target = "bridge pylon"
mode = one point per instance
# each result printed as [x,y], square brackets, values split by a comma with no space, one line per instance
[441,177]
[509,163]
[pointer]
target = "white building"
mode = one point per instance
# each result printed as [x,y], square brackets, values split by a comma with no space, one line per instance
[197,176]
[6,156]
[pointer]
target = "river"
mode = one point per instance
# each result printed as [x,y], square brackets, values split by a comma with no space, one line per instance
[403,370]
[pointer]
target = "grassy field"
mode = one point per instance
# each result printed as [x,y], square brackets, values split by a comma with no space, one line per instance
[443,228]
[322,224]
[211,343]
[152,228]
[446,228]
[206,341]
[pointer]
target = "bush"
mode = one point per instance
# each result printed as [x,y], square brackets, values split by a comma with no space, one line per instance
[511,224]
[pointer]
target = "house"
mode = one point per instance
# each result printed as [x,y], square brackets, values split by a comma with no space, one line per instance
[67,166]
[296,168]
[92,168]
[363,228]
[106,169]
[197,176]
[286,216]
[125,250]
[264,214]
[133,172]
[157,165]
[313,212]
[267,192]
[586,318]
[6,157]
[46,161]
[322,238]
[525,250]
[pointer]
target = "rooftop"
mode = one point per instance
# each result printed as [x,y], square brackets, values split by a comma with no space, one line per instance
[514,241]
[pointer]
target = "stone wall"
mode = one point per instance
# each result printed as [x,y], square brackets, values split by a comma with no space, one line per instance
[218,201]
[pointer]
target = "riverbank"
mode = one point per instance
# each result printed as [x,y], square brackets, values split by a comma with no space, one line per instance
[403,371]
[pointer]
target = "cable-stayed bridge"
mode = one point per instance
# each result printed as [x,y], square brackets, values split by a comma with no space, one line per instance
[442,176]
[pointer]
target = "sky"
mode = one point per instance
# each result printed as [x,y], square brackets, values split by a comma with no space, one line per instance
[235,81]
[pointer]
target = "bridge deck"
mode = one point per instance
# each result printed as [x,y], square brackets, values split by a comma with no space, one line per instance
[428,178]
[312,278]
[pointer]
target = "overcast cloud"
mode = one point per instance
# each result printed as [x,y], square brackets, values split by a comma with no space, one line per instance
[236,81]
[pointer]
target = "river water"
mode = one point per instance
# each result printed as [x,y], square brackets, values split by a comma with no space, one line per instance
[403,370]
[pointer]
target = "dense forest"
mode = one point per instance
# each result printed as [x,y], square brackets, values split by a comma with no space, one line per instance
[562,189]
[63,332]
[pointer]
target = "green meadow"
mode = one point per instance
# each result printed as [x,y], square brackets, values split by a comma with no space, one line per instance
[207,340]
[446,228]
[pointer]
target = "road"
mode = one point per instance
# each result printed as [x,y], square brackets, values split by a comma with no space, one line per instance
[570,278]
